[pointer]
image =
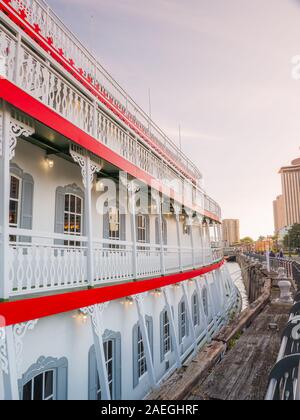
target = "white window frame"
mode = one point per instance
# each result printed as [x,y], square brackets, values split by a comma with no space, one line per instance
[114,235]
[196,317]
[141,229]
[183,320]
[167,346]
[141,355]
[18,200]
[75,214]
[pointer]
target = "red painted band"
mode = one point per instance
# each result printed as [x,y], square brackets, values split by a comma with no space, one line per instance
[35,109]
[28,309]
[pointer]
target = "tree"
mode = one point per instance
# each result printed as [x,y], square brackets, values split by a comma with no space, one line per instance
[292,239]
[247,240]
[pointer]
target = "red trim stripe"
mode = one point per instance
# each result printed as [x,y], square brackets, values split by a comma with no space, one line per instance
[25,310]
[35,109]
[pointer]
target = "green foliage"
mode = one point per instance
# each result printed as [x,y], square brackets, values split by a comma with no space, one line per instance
[247,240]
[292,239]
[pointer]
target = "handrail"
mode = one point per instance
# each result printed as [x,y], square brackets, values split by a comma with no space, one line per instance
[48,25]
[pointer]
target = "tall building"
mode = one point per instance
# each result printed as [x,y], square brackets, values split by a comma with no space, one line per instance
[290,178]
[231,231]
[287,206]
[279,214]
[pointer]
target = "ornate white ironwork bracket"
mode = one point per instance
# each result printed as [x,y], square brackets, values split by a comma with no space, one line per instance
[19,332]
[95,312]
[3,352]
[88,167]
[16,129]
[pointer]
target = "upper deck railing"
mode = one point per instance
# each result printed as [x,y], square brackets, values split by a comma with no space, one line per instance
[65,47]
[41,78]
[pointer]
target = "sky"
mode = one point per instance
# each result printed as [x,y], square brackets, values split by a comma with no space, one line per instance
[219,68]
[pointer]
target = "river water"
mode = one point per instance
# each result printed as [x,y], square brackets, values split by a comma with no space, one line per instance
[236,274]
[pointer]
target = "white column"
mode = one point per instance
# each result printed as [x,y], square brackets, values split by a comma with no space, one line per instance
[96,319]
[8,363]
[203,314]
[190,224]
[200,218]
[189,313]
[146,340]
[88,170]
[89,222]
[132,189]
[173,329]
[211,302]
[4,203]
[10,130]
[177,217]
[160,233]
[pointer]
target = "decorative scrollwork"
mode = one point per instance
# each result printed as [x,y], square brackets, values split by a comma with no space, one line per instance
[94,311]
[17,129]
[82,162]
[3,352]
[19,332]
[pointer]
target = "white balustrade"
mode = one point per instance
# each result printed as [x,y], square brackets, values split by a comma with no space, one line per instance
[41,262]
[39,78]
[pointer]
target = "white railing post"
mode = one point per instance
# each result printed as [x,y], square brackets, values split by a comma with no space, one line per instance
[146,341]
[4,202]
[177,209]
[17,59]
[200,219]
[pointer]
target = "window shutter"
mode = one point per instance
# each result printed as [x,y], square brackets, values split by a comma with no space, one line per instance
[179,323]
[62,381]
[156,231]
[123,227]
[147,221]
[26,205]
[165,232]
[59,213]
[136,227]
[135,355]
[106,224]
[92,375]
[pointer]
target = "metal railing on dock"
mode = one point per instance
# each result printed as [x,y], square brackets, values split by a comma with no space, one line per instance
[284,380]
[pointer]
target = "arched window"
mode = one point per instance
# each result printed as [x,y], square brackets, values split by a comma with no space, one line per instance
[195,310]
[45,381]
[112,353]
[205,300]
[69,213]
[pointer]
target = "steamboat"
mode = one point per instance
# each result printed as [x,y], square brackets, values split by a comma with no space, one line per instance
[111,264]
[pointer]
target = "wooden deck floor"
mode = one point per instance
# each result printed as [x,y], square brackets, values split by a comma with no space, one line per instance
[243,373]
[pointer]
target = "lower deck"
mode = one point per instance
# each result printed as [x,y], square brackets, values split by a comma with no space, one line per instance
[121,349]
